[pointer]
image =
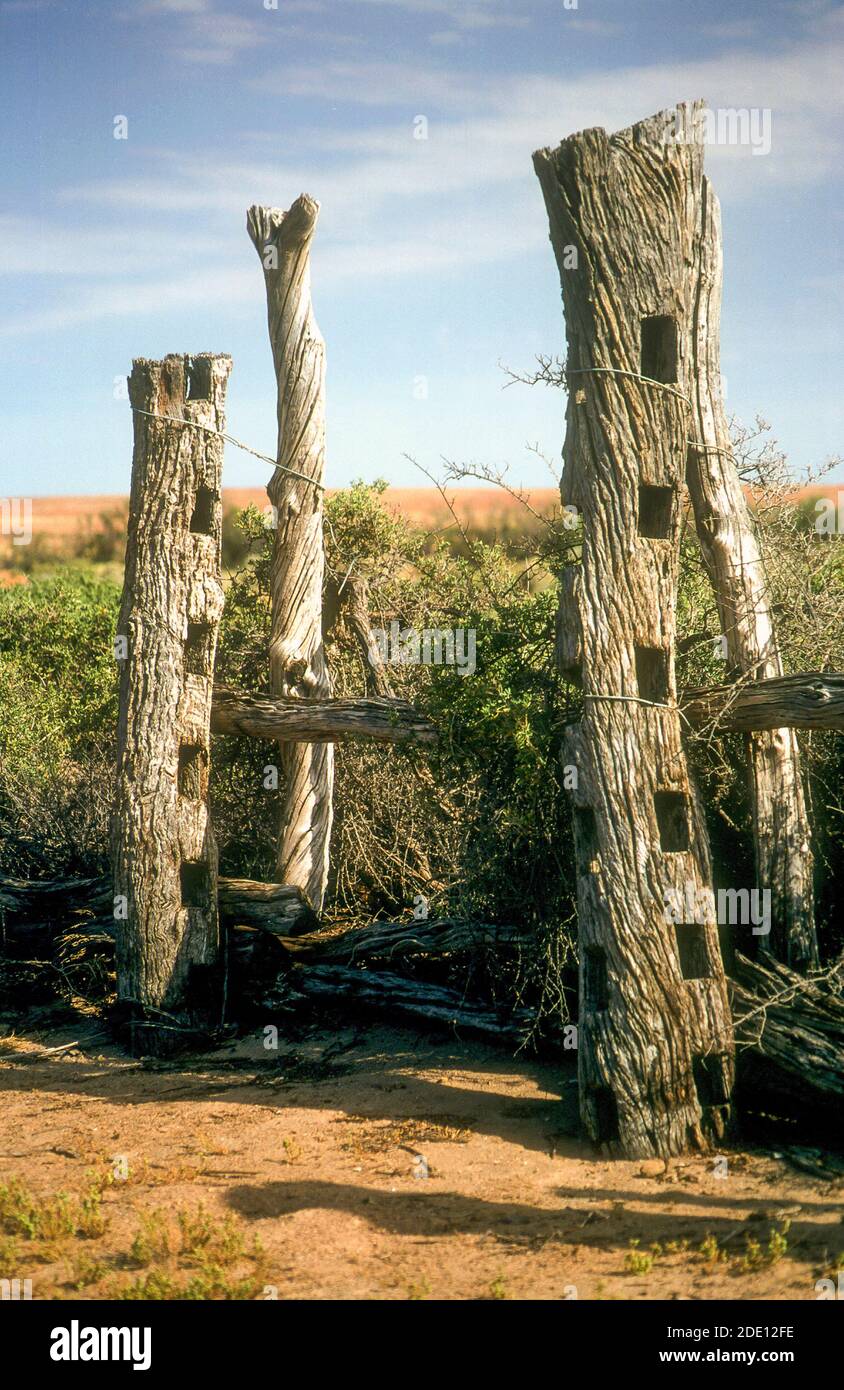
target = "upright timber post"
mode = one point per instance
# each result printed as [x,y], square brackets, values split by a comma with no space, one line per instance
[731,555]
[164,853]
[655,1044]
[297,655]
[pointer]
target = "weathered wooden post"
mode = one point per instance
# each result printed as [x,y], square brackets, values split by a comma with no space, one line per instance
[731,554]
[164,853]
[297,655]
[655,1038]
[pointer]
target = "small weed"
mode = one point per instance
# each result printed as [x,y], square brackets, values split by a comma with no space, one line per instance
[9,1255]
[84,1272]
[152,1240]
[206,1241]
[756,1257]
[710,1251]
[91,1222]
[638,1261]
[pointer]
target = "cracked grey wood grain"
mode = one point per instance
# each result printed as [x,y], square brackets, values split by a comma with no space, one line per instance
[808,700]
[297,655]
[782,837]
[655,1049]
[164,854]
[319,721]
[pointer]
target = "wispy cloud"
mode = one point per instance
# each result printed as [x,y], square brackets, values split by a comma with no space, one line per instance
[199,32]
[396,206]
[464,14]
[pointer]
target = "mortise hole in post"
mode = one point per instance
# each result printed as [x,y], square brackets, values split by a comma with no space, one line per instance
[656,512]
[692,951]
[199,379]
[652,673]
[606,1115]
[202,518]
[659,348]
[595,987]
[672,817]
[196,884]
[198,649]
[709,1078]
[193,771]
[586,838]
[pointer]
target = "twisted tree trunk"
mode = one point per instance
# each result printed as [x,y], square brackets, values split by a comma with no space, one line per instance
[297,656]
[164,853]
[655,1048]
[734,564]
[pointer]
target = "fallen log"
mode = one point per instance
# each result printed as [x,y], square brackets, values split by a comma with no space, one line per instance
[439,937]
[294,720]
[279,908]
[810,700]
[789,1035]
[396,996]
[34,897]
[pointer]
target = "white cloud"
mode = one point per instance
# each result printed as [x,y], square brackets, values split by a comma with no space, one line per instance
[465,14]
[396,206]
[47,247]
[125,300]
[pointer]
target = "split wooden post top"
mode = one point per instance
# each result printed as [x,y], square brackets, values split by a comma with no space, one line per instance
[655,1046]
[164,852]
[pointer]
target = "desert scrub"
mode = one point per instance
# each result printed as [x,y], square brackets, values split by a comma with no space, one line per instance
[212,1284]
[34,1218]
[58,711]
[190,1254]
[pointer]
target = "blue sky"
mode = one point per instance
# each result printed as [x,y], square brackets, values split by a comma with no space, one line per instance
[431,258]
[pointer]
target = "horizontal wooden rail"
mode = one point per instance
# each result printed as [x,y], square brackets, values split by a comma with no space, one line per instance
[276,907]
[810,700]
[319,721]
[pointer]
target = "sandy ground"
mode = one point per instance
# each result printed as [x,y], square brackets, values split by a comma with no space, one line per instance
[315,1150]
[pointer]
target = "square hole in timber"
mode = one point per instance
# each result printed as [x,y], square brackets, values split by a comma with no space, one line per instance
[659,348]
[652,673]
[656,512]
[691,949]
[196,884]
[672,817]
